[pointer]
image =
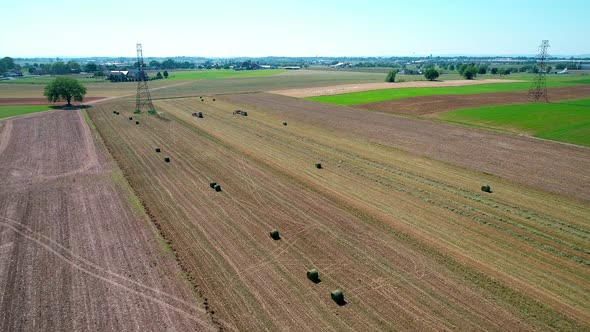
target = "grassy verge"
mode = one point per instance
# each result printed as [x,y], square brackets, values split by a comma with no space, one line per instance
[7,111]
[567,121]
[390,94]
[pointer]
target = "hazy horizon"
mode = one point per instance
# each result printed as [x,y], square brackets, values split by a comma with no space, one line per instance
[375,28]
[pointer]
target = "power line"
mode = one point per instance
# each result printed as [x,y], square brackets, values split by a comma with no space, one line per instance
[538,89]
[143,99]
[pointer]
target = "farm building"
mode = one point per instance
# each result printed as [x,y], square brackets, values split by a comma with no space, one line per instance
[124,75]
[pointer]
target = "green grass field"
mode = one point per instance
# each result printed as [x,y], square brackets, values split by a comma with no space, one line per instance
[390,94]
[567,121]
[6,111]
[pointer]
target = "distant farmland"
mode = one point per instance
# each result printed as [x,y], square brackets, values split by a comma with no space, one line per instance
[391,94]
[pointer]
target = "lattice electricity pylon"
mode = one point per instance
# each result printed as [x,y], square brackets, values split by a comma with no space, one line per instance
[538,90]
[143,99]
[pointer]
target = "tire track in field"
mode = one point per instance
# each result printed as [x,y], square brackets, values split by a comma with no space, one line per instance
[112,281]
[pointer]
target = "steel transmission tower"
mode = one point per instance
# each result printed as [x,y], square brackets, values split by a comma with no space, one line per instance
[538,90]
[143,99]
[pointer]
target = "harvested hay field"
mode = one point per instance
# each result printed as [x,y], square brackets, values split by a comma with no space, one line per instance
[348,88]
[524,160]
[77,252]
[412,242]
[432,105]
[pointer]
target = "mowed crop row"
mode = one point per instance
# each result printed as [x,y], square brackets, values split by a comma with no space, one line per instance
[409,240]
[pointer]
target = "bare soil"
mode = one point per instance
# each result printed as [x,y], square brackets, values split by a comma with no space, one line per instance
[38,101]
[524,160]
[76,252]
[348,88]
[431,105]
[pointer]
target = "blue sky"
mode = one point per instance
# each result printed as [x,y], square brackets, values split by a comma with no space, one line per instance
[291,28]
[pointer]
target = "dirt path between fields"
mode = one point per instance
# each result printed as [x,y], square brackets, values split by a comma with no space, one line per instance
[74,255]
[432,105]
[348,88]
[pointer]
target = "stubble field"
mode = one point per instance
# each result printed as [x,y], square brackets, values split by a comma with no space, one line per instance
[412,241]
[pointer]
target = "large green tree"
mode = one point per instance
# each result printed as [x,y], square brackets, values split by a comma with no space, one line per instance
[469,72]
[6,64]
[64,88]
[391,76]
[431,74]
[90,67]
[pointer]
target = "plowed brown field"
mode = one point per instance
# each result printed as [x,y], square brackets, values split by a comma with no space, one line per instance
[74,255]
[413,242]
[436,104]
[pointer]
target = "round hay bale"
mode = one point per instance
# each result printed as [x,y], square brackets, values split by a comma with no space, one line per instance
[217,187]
[212,184]
[213,99]
[158,150]
[337,296]
[274,234]
[313,275]
[318,165]
[486,188]
[130,118]
[245,113]
[136,122]
[167,159]
[114,112]
[284,123]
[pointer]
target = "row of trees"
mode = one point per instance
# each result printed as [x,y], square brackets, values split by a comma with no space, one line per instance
[468,71]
